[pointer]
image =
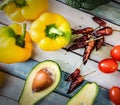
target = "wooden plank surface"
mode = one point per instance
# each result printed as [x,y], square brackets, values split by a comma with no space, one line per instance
[7,101]
[106,11]
[73,60]
[68,61]
[10,92]
[13,87]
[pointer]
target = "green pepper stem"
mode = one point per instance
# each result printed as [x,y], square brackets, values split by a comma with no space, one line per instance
[55,30]
[23,32]
[6,2]
[52,31]
[20,38]
[19,3]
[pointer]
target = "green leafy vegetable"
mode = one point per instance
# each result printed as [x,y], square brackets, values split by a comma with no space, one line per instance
[86,4]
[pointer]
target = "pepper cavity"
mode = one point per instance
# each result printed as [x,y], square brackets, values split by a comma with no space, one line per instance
[42,80]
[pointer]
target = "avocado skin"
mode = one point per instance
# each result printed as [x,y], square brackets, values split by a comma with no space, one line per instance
[25,97]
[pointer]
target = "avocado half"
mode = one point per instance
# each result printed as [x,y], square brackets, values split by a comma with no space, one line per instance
[86,95]
[28,95]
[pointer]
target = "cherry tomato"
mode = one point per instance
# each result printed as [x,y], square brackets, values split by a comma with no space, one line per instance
[114,95]
[115,52]
[108,65]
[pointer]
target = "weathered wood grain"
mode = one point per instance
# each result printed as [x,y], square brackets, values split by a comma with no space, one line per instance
[68,61]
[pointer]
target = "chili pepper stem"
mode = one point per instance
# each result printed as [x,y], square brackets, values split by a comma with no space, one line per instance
[19,3]
[23,32]
[94,39]
[98,27]
[80,66]
[88,73]
[117,30]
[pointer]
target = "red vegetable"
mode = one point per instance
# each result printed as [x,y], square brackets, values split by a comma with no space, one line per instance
[76,79]
[115,95]
[79,43]
[104,31]
[75,84]
[115,52]
[86,30]
[99,43]
[74,75]
[99,21]
[82,38]
[90,46]
[108,65]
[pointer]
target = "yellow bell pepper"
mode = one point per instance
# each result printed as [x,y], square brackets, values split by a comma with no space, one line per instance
[21,10]
[51,31]
[15,44]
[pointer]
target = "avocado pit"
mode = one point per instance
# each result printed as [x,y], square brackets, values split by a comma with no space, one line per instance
[42,80]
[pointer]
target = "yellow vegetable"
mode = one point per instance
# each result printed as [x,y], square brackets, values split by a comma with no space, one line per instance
[21,10]
[51,31]
[15,44]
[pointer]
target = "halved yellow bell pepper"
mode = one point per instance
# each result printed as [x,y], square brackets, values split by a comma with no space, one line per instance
[21,10]
[51,31]
[15,44]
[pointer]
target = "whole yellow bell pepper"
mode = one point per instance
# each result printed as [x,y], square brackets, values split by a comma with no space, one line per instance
[21,10]
[51,31]
[15,44]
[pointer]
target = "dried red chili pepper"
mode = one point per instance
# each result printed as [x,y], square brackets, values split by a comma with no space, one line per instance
[99,21]
[90,46]
[76,79]
[91,38]
[104,31]
[73,76]
[77,45]
[86,30]
[75,84]
[82,38]
[99,43]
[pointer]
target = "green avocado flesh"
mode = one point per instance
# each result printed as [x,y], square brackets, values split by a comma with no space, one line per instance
[85,96]
[30,97]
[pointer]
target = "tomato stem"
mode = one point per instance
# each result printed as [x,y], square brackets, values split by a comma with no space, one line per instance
[92,39]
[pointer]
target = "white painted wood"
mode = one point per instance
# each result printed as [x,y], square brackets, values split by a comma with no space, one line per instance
[7,101]
[4,18]
[69,61]
[54,99]
[12,87]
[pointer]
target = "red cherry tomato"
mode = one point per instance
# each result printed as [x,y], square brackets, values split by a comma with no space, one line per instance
[108,65]
[115,52]
[115,95]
